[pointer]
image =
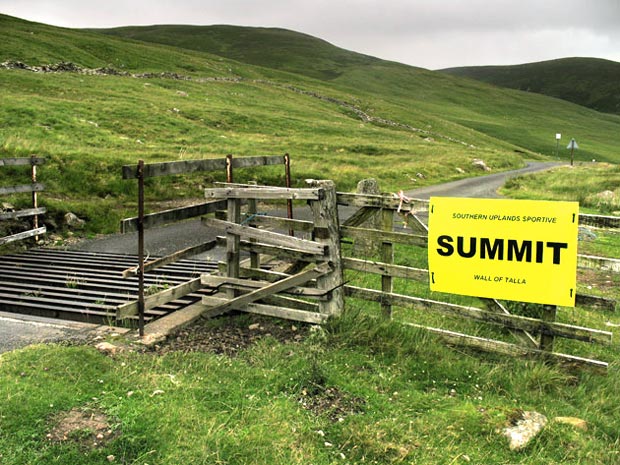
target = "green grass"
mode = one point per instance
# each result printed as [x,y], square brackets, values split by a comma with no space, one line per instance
[590,82]
[89,126]
[413,401]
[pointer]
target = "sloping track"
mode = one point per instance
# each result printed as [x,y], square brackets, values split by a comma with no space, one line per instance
[86,286]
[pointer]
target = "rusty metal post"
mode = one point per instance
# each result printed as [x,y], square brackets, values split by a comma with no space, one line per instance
[289,202]
[140,176]
[35,204]
[229,168]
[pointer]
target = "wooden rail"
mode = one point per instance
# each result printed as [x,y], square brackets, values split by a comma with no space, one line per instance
[546,328]
[33,188]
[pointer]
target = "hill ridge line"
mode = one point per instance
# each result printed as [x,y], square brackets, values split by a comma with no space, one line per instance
[69,67]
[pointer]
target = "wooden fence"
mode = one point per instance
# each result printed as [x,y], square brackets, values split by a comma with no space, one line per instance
[309,282]
[534,336]
[140,223]
[30,188]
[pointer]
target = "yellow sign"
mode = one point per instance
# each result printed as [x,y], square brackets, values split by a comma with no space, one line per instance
[524,250]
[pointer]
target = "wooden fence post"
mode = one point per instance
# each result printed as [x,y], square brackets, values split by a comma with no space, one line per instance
[233,244]
[387,256]
[546,340]
[327,231]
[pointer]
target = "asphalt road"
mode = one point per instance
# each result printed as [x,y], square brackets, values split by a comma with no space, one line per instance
[19,331]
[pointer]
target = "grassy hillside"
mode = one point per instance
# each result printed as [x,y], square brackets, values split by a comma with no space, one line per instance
[417,96]
[370,118]
[269,47]
[591,82]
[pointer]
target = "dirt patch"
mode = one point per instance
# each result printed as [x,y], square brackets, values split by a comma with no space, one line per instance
[331,402]
[232,334]
[89,428]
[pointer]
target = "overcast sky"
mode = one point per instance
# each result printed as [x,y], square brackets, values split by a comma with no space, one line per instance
[428,33]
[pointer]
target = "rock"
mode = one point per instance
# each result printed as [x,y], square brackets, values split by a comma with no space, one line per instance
[460,170]
[73,221]
[573,421]
[7,207]
[526,426]
[480,164]
[107,348]
[254,327]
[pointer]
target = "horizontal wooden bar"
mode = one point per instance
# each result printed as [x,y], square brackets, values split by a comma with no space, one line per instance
[35,187]
[489,345]
[267,237]
[170,216]
[276,251]
[272,288]
[603,303]
[518,322]
[264,193]
[22,213]
[174,167]
[281,223]
[163,261]
[23,235]
[163,297]
[22,161]
[379,236]
[385,269]
[245,284]
[598,263]
[391,202]
[271,310]
[249,162]
[193,166]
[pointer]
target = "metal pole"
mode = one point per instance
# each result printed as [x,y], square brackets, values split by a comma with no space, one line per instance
[35,218]
[572,149]
[289,202]
[140,175]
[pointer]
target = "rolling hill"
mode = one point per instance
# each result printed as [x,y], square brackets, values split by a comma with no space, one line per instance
[591,82]
[340,115]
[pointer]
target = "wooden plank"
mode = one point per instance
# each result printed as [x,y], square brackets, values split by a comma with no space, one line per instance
[163,297]
[22,235]
[276,251]
[249,162]
[30,161]
[270,310]
[598,263]
[175,167]
[170,216]
[522,323]
[523,336]
[489,345]
[279,286]
[600,221]
[384,236]
[382,201]
[35,187]
[280,223]
[360,216]
[380,268]
[263,193]
[22,213]
[267,237]
[174,257]
[245,284]
[595,301]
